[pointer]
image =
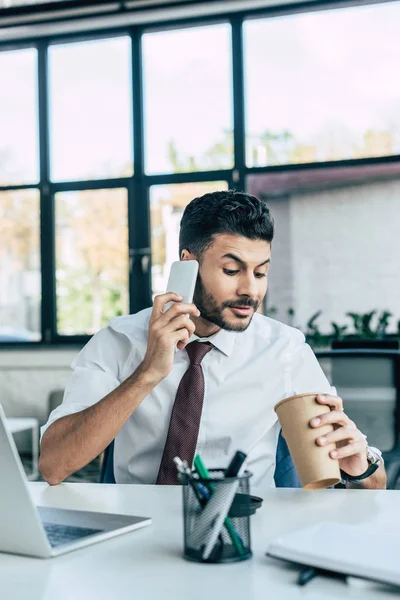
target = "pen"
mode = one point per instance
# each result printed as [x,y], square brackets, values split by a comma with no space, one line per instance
[202,471]
[235,465]
[201,492]
[204,474]
[308,573]
[305,575]
[185,470]
[204,491]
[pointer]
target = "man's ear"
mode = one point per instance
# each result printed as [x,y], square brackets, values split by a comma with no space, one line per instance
[186,255]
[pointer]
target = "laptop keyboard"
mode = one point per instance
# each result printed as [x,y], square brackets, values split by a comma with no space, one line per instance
[63,534]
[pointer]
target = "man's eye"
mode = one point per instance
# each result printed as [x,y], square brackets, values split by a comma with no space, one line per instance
[229,272]
[259,275]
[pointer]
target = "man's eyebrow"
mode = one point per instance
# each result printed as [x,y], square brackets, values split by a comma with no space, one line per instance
[241,262]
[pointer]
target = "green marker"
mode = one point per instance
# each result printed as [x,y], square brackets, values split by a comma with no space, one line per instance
[204,474]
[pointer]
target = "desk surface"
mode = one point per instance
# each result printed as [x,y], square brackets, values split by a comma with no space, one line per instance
[147,564]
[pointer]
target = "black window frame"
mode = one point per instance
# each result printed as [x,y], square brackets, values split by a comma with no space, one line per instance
[139,184]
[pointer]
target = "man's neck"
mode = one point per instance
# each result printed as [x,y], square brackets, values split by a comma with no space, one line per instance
[204,328]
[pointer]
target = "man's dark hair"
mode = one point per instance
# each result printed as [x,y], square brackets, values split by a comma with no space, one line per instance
[223,212]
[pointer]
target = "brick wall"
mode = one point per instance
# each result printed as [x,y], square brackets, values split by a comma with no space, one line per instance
[337,250]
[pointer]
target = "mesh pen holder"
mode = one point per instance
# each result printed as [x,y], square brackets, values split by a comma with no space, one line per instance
[216,513]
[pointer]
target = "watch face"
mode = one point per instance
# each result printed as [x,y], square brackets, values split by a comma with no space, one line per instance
[373,455]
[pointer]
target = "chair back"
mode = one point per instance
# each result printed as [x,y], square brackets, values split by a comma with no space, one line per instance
[285,473]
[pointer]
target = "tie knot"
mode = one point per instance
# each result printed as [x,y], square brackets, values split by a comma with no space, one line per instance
[197,351]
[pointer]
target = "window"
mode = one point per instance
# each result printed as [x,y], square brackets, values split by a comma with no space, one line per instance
[90,110]
[318,86]
[19,266]
[91,259]
[188,99]
[19,138]
[323,86]
[167,203]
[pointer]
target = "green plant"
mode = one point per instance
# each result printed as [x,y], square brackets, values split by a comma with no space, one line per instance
[313,333]
[363,324]
[291,313]
[271,311]
[338,330]
[383,323]
[312,327]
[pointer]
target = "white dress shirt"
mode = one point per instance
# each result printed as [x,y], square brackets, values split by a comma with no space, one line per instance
[245,375]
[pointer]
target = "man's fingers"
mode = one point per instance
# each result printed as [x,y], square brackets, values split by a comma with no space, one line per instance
[182,322]
[161,300]
[332,418]
[334,402]
[181,308]
[181,338]
[348,450]
[339,435]
[181,345]
[160,318]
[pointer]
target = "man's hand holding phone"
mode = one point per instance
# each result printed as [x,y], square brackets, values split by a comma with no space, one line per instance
[167,330]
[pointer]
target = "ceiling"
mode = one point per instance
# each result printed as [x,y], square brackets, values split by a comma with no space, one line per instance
[30,19]
[13,3]
[24,12]
[31,5]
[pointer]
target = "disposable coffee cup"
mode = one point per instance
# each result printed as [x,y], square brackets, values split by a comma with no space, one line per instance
[315,468]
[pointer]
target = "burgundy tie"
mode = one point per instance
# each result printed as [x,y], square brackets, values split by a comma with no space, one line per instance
[185,418]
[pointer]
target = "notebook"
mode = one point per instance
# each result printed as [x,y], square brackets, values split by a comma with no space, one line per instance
[369,550]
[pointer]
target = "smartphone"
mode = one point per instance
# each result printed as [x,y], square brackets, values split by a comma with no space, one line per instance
[182,280]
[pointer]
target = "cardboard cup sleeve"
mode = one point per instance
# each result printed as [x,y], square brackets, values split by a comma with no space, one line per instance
[316,469]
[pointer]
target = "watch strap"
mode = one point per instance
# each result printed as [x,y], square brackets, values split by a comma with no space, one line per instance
[356,478]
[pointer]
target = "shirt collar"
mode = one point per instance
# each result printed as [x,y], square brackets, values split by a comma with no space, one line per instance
[223,340]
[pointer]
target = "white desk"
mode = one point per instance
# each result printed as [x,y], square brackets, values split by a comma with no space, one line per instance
[28,424]
[147,564]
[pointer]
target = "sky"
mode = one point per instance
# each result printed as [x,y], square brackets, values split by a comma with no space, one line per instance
[312,72]
[187,94]
[18,116]
[329,71]
[90,109]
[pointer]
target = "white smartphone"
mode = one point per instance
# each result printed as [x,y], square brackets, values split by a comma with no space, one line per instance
[182,280]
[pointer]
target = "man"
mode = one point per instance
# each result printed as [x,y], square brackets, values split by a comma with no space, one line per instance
[201,377]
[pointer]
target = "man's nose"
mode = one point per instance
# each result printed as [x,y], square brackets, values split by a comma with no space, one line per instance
[247,286]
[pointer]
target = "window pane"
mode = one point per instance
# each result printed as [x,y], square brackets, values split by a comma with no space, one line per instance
[91,259]
[90,110]
[323,86]
[18,117]
[19,266]
[188,99]
[167,203]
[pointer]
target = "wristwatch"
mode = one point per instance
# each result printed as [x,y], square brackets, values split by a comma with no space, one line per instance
[374,457]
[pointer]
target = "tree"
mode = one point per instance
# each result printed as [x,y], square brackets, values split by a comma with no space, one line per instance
[277,146]
[19,227]
[92,259]
[218,156]
[20,259]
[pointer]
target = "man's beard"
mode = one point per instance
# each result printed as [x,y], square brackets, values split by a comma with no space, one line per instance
[210,310]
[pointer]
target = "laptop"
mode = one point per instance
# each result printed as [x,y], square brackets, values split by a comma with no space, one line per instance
[45,532]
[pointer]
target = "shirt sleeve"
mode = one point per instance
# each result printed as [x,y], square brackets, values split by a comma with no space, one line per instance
[96,372]
[306,374]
